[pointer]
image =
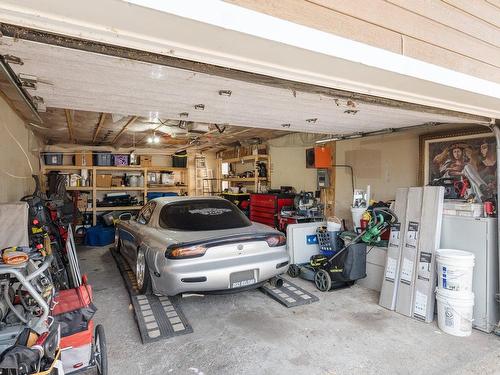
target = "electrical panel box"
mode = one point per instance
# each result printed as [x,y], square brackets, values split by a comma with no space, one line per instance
[323,179]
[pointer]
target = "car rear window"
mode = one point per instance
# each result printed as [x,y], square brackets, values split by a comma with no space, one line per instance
[203,214]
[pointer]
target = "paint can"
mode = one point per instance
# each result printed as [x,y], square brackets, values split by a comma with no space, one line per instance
[455,311]
[455,269]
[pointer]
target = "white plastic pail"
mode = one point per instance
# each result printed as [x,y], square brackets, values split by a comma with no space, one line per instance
[333,224]
[455,312]
[357,214]
[455,269]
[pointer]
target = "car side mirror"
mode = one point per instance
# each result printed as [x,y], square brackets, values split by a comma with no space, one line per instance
[141,220]
[125,216]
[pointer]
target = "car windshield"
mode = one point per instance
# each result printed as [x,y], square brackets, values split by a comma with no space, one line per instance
[202,214]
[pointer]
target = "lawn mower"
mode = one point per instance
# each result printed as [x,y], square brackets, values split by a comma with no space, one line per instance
[349,263]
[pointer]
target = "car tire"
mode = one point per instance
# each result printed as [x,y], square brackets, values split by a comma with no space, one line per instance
[142,273]
[118,241]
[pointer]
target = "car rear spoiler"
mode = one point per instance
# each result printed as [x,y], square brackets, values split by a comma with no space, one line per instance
[219,241]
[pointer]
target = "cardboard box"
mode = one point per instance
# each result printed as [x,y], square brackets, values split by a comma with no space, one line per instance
[83,158]
[146,160]
[103,180]
[116,181]
[82,202]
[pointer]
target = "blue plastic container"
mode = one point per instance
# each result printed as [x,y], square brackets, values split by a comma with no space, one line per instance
[100,236]
[154,194]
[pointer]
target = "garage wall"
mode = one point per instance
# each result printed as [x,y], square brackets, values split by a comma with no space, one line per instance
[383,162]
[12,158]
[288,168]
[456,34]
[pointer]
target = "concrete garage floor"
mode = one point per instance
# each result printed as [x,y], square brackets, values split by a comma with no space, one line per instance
[249,333]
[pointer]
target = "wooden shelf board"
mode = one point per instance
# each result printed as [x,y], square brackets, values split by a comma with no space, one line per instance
[79,188]
[63,168]
[119,188]
[166,188]
[244,179]
[112,168]
[117,208]
[165,169]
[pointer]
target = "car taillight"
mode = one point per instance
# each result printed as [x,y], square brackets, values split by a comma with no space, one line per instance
[276,240]
[186,252]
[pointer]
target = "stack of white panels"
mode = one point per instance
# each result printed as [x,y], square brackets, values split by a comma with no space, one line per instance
[391,274]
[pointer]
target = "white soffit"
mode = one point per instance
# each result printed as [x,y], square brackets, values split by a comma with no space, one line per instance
[80,80]
[215,32]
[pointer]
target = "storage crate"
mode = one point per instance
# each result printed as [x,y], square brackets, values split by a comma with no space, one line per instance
[100,236]
[179,159]
[146,160]
[83,158]
[103,180]
[120,160]
[103,159]
[53,158]
[154,194]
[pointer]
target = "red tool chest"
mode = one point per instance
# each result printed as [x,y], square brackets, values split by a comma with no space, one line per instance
[264,208]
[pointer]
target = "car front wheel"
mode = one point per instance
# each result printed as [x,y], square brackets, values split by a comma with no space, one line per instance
[142,273]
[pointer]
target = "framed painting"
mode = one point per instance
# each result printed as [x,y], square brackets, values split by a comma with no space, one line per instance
[464,162]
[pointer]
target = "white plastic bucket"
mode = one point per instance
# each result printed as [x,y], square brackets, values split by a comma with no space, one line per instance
[357,214]
[333,224]
[455,312]
[455,269]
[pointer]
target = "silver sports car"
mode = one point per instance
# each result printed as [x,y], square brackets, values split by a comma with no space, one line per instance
[186,244]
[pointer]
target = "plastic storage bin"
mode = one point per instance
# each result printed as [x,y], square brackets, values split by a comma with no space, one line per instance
[154,194]
[100,236]
[53,158]
[179,159]
[120,160]
[103,159]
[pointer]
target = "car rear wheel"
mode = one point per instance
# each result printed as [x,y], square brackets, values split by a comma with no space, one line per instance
[118,241]
[142,273]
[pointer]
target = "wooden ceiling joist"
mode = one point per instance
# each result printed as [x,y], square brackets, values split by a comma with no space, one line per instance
[130,121]
[69,122]
[99,126]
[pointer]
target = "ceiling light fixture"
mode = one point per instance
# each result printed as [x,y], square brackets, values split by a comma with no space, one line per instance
[312,120]
[285,125]
[199,107]
[225,92]
[183,114]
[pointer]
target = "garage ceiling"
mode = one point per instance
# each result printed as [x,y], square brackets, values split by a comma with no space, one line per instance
[95,83]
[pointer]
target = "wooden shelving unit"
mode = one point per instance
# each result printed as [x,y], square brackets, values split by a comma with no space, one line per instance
[249,180]
[95,170]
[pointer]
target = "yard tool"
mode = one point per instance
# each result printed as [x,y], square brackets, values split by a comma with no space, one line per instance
[349,263]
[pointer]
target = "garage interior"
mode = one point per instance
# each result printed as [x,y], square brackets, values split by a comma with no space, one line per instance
[107,129]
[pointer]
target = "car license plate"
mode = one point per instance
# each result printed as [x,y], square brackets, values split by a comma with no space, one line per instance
[242,278]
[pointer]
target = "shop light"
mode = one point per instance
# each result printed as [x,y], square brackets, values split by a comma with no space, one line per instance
[225,92]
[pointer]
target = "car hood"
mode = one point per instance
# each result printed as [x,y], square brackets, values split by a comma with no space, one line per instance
[193,236]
